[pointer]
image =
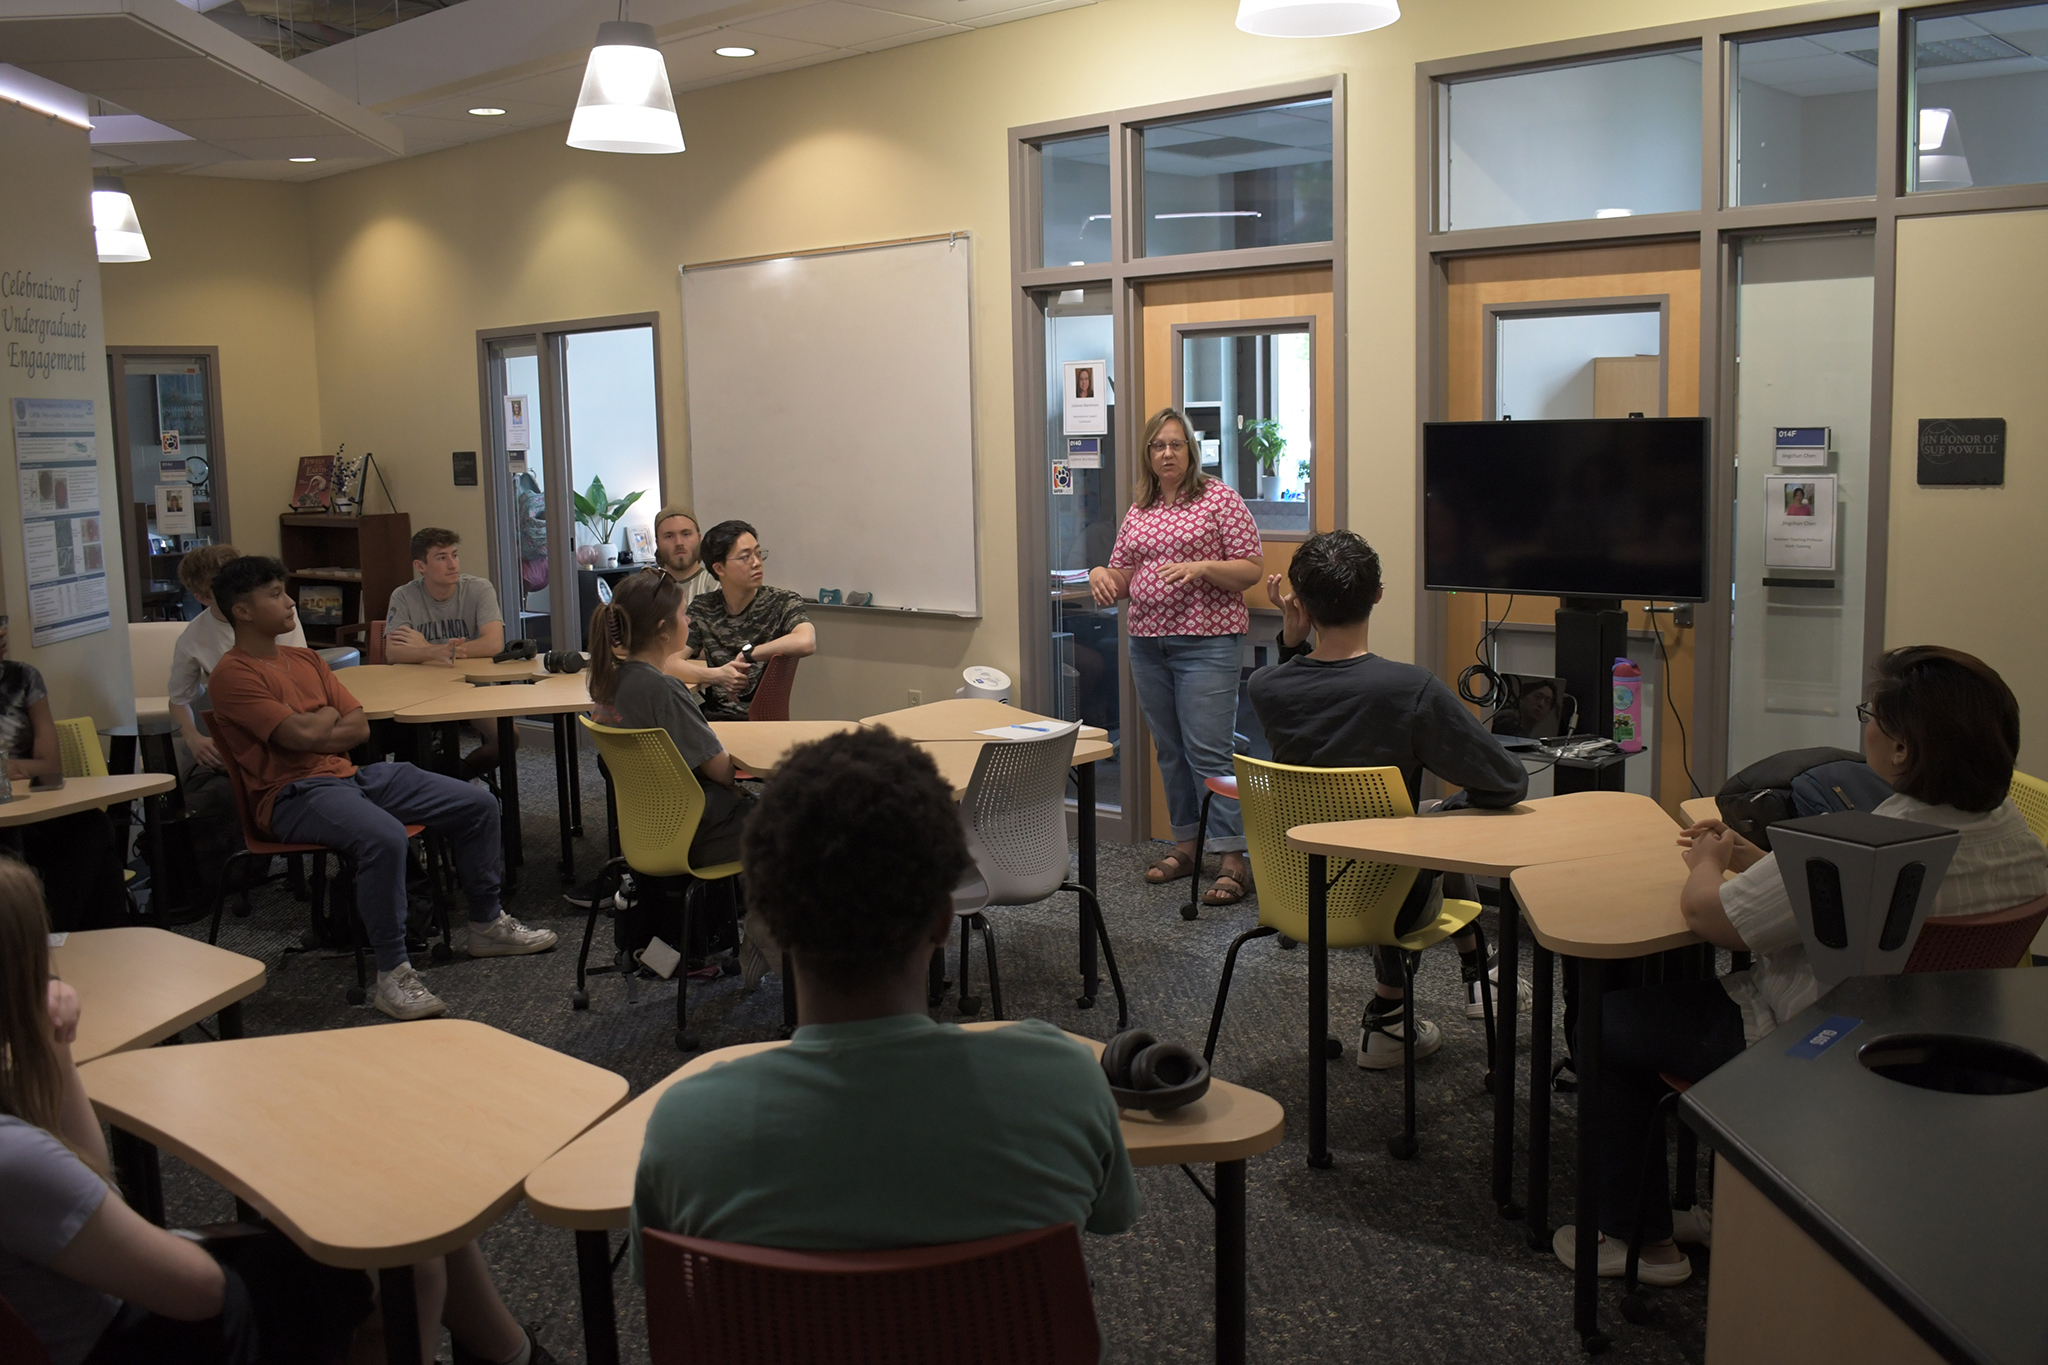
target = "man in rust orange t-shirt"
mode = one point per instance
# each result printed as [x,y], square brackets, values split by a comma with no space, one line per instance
[287,725]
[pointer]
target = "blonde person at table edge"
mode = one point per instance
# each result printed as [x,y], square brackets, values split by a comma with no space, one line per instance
[99,1285]
[1185,554]
[288,725]
[877,1126]
[1338,705]
[205,638]
[78,855]
[443,616]
[741,626]
[1943,729]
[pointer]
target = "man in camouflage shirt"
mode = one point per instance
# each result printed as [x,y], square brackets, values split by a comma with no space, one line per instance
[736,629]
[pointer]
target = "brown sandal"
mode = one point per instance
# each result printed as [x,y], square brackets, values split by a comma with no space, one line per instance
[1171,868]
[1240,887]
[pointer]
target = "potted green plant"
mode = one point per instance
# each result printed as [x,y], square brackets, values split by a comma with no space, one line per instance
[598,513]
[1261,439]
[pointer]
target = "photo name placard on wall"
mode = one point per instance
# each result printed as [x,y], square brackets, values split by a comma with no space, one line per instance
[1084,398]
[1799,522]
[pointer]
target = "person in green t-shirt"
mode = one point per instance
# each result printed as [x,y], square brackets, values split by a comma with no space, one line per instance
[877,1126]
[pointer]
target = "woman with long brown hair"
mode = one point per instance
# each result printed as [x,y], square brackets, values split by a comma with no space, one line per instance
[1186,552]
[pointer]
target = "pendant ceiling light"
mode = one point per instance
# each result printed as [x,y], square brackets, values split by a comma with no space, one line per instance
[626,105]
[116,231]
[1943,164]
[1315,18]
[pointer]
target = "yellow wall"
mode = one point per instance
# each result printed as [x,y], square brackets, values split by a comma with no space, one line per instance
[46,233]
[230,266]
[1967,563]
[409,260]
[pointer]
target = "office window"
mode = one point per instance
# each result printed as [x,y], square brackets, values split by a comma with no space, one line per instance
[1979,111]
[1605,140]
[1074,189]
[1804,118]
[1224,182]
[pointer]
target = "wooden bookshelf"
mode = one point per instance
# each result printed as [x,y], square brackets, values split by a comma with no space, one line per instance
[327,550]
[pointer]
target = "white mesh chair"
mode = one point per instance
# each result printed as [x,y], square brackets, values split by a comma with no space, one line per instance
[1015,814]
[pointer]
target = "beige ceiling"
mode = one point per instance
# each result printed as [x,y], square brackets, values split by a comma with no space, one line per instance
[228,107]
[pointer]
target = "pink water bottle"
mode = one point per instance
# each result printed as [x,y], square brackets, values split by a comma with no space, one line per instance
[1628,706]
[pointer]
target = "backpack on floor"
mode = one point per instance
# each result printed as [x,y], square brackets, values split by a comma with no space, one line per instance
[654,908]
[1795,783]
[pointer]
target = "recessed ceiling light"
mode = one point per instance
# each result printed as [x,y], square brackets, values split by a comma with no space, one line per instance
[301,160]
[735,52]
[486,112]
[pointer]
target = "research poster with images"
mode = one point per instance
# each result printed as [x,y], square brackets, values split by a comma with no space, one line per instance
[57,454]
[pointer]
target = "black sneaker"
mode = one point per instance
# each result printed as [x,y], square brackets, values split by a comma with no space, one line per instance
[591,892]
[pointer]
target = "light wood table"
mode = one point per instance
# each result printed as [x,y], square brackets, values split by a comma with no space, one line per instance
[760,746]
[1484,843]
[77,794]
[383,690]
[483,670]
[140,986]
[558,696]
[1700,808]
[959,721]
[372,1148]
[587,1187]
[1592,911]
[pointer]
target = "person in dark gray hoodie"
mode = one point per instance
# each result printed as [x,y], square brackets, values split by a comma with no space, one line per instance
[1331,703]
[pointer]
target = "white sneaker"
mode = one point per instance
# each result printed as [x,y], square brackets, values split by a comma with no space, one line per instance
[1614,1260]
[1476,1009]
[402,995]
[1379,1044]
[1693,1227]
[507,937]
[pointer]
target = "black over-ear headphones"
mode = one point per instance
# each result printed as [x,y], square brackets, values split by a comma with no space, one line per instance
[1147,1074]
[554,661]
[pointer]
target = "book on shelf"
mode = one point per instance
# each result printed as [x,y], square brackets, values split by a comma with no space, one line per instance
[331,571]
[320,605]
[314,491]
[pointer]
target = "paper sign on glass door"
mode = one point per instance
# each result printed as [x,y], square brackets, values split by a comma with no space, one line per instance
[1084,398]
[1799,522]
[518,422]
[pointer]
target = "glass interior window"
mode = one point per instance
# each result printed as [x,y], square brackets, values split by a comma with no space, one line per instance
[516,374]
[1224,182]
[1251,400]
[1979,110]
[1605,140]
[168,441]
[1563,366]
[1082,502]
[1074,189]
[609,377]
[1805,117]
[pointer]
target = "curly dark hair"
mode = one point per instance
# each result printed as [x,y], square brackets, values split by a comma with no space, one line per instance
[239,577]
[1959,722]
[853,852]
[1337,577]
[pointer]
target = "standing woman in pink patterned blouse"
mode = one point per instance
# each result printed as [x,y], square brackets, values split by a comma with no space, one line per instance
[1186,553]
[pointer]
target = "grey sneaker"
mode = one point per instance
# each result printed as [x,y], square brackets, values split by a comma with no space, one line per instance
[402,995]
[1379,1043]
[507,937]
[1475,1008]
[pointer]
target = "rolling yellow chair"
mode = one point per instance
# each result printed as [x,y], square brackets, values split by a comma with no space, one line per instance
[78,741]
[2030,794]
[660,804]
[1363,898]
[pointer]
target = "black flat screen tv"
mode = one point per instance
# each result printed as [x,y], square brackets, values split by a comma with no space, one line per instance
[1611,508]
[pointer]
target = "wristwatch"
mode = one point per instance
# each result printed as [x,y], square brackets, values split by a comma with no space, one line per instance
[747,653]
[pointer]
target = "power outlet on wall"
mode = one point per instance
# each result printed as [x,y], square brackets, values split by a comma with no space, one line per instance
[916,697]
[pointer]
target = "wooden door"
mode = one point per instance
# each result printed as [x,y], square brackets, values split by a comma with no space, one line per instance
[1477,283]
[1270,298]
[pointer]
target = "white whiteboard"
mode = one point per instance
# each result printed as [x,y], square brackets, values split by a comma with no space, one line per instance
[831,404]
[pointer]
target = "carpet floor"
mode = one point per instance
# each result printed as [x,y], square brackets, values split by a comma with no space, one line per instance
[1373,1260]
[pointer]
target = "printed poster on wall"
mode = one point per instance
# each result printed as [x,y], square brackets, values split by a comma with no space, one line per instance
[56,452]
[1084,398]
[174,512]
[1799,522]
[518,422]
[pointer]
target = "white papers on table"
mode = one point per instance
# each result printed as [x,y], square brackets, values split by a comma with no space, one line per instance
[1019,731]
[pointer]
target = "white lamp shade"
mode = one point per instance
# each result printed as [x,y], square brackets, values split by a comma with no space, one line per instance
[1943,163]
[626,105]
[1315,18]
[116,231]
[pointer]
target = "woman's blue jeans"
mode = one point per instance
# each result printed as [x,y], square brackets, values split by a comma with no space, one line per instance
[1187,687]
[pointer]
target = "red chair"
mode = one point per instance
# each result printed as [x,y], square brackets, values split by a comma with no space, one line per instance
[1212,787]
[373,638]
[262,850]
[771,693]
[18,1344]
[1963,943]
[1020,1299]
